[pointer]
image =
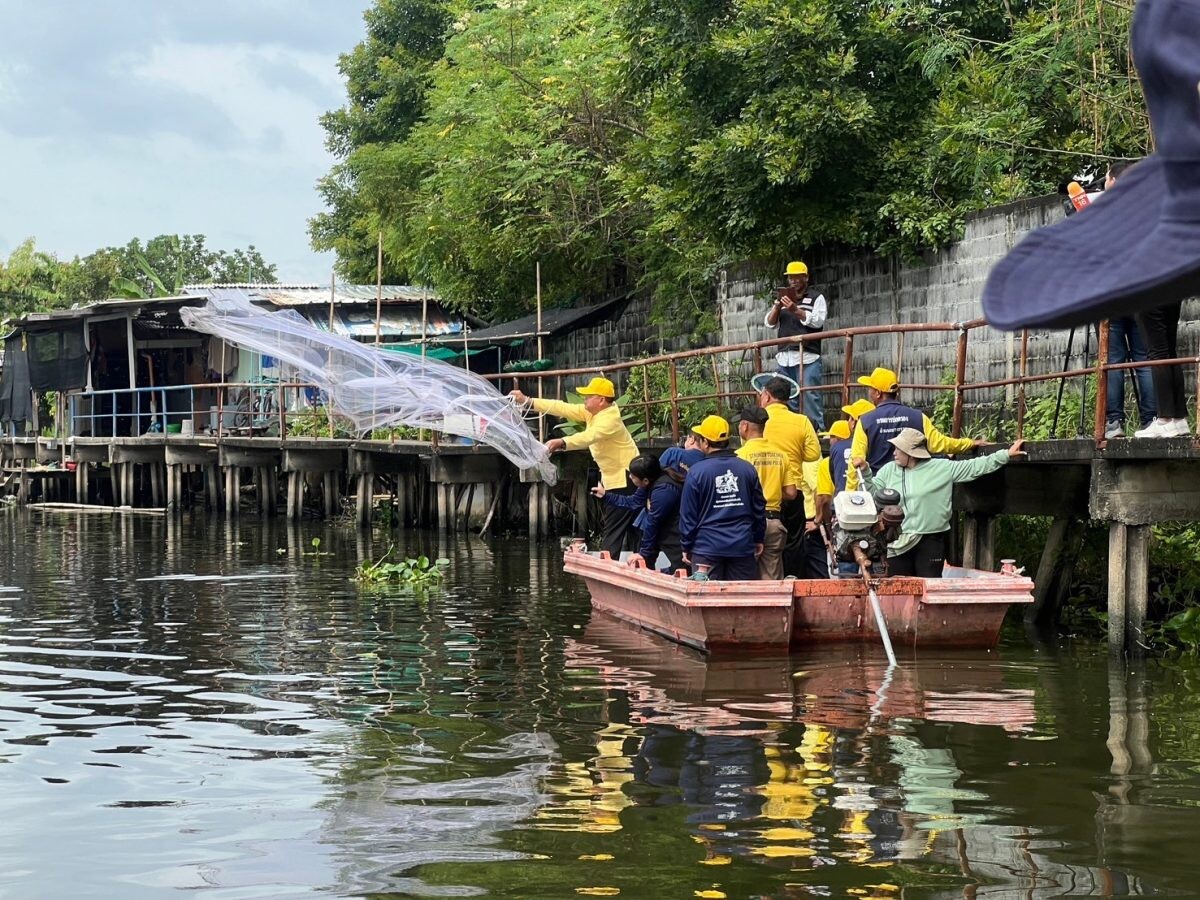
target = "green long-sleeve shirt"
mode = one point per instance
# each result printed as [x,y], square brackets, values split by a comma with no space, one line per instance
[927,490]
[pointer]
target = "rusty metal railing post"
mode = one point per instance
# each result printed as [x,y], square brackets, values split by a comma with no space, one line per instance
[716,383]
[1021,384]
[847,370]
[646,398]
[282,415]
[674,402]
[960,377]
[1101,383]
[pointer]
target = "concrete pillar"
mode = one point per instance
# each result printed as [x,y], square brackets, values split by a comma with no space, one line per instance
[970,553]
[81,482]
[233,491]
[986,544]
[330,490]
[365,497]
[156,499]
[212,487]
[295,495]
[1117,563]
[1128,586]
[1137,587]
[127,484]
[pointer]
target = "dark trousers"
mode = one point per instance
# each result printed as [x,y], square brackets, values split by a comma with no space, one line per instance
[816,559]
[1160,330]
[795,554]
[728,568]
[617,524]
[925,560]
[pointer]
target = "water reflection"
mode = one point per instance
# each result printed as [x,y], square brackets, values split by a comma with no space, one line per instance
[215,705]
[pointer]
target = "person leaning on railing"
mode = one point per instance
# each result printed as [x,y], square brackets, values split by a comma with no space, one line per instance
[606,438]
[876,428]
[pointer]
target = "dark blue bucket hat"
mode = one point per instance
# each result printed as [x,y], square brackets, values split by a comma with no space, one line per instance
[1137,246]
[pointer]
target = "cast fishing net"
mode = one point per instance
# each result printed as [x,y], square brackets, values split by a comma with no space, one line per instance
[374,389]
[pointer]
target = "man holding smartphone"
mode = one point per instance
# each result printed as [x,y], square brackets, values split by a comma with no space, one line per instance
[799,309]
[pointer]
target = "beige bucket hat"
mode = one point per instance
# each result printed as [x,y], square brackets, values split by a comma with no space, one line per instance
[911,442]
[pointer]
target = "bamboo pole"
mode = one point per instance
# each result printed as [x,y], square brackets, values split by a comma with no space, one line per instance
[378,288]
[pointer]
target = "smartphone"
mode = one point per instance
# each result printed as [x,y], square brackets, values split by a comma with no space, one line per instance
[787,293]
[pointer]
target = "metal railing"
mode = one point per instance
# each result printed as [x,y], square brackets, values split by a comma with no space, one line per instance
[752,352]
[219,409]
[261,408]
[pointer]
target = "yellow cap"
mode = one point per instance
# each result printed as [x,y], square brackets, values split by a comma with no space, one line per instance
[601,387]
[839,430]
[713,428]
[797,268]
[883,380]
[858,408]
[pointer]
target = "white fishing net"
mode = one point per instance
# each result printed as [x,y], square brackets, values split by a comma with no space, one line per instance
[374,389]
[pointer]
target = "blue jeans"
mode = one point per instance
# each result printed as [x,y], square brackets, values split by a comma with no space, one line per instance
[814,405]
[1125,344]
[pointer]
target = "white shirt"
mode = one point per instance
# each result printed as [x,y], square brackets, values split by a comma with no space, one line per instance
[816,318]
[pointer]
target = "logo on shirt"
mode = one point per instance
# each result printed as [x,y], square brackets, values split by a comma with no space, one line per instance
[727,483]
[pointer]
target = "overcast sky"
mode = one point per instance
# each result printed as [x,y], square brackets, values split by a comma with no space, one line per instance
[132,118]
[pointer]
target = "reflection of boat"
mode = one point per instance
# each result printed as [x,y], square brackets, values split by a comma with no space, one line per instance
[964,609]
[837,686]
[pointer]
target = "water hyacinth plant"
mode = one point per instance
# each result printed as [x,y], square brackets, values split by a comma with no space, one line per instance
[419,573]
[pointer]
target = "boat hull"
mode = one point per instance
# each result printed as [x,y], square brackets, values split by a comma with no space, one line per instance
[964,609]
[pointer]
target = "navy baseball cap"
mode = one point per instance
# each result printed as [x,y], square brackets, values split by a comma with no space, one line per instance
[1137,246]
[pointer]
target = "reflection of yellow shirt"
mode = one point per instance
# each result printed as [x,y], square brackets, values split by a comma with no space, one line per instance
[934,440]
[825,478]
[809,488]
[792,433]
[604,434]
[775,469]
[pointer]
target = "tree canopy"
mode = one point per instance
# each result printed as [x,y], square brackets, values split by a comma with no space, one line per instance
[32,279]
[651,141]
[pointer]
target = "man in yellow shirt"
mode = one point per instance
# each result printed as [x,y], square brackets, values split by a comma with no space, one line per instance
[876,428]
[794,434]
[780,481]
[609,442]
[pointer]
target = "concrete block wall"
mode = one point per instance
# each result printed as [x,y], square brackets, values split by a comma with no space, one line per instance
[865,289]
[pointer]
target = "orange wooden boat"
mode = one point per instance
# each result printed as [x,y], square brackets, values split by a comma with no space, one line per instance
[963,609]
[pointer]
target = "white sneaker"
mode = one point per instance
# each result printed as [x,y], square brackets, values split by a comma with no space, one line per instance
[1114,430]
[1163,428]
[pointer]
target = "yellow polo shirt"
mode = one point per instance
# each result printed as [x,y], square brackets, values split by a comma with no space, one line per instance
[604,435]
[792,433]
[825,478]
[809,488]
[774,467]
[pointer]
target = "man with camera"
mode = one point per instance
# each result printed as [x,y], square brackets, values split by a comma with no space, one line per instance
[799,309]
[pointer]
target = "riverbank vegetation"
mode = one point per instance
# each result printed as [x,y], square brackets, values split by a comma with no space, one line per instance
[636,142]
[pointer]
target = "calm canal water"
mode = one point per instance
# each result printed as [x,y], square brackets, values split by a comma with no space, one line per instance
[215,708]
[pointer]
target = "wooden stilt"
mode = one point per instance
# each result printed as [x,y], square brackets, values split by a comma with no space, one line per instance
[233,491]
[1052,584]
[985,553]
[155,487]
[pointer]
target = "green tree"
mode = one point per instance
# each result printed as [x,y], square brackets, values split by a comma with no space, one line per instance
[28,280]
[387,78]
[645,141]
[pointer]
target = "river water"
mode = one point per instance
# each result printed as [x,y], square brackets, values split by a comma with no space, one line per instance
[218,708]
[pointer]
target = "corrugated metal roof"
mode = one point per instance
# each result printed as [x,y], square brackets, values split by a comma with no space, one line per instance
[397,322]
[312,294]
[554,321]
